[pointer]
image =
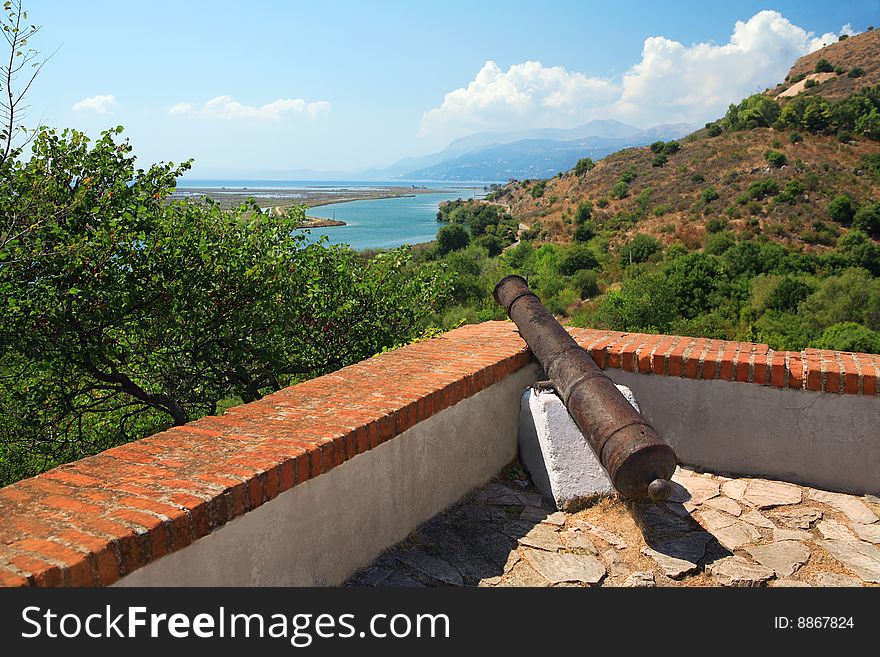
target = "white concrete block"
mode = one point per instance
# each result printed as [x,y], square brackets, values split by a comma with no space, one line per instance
[562,464]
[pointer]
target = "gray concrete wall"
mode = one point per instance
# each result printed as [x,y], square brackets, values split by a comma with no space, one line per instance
[825,440]
[324,530]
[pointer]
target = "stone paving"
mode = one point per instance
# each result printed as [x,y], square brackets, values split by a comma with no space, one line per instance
[714,531]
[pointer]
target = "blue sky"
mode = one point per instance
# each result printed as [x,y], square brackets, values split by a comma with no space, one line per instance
[277,85]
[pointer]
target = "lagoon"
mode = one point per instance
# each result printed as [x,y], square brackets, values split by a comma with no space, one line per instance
[385,223]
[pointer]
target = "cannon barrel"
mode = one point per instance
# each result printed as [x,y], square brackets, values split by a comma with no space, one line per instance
[636,458]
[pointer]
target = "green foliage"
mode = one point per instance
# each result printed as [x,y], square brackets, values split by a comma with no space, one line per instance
[583,166]
[585,231]
[660,210]
[709,194]
[124,312]
[753,112]
[795,137]
[644,303]
[538,189]
[451,238]
[639,249]
[867,219]
[824,66]
[577,258]
[584,212]
[491,243]
[620,190]
[849,336]
[853,296]
[762,188]
[856,72]
[713,129]
[842,209]
[586,283]
[717,243]
[659,160]
[860,250]
[776,159]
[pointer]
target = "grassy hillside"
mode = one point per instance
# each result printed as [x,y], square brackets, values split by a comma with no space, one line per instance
[762,226]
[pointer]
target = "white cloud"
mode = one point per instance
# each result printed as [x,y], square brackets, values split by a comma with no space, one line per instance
[671,83]
[226,107]
[98,104]
[526,95]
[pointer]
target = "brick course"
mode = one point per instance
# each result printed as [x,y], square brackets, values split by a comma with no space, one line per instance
[90,522]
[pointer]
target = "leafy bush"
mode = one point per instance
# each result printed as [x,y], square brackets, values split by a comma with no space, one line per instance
[867,219]
[824,66]
[856,72]
[775,159]
[620,190]
[585,231]
[451,238]
[713,129]
[584,165]
[709,194]
[586,282]
[639,249]
[538,189]
[849,336]
[842,209]
[659,160]
[763,188]
[577,258]
[584,212]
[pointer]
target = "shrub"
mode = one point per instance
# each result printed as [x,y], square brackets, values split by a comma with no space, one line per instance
[763,188]
[491,243]
[584,165]
[639,249]
[715,225]
[538,189]
[659,160]
[850,336]
[620,190]
[451,238]
[578,257]
[713,129]
[602,202]
[842,209]
[661,209]
[856,72]
[709,194]
[860,250]
[776,159]
[584,212]
[811,83]
[718,243]
[698,178]
[867,219]
[795,137]
[586,283]
[824,66]
[585,232]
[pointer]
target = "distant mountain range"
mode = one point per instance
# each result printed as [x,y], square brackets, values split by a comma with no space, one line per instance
[541,153]
[494,156]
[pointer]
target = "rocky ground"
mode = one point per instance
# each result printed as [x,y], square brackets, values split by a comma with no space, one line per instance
[715,531]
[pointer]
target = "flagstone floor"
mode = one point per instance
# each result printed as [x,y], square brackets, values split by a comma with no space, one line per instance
[714,531]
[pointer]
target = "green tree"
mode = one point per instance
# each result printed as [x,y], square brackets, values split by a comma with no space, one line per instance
[577,257]
[639,249]
[867,219]
[583,166]
[842,209]
[849,336]
[451,238]
[125,312]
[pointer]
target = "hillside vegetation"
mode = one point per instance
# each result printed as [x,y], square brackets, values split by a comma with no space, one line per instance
[762,226]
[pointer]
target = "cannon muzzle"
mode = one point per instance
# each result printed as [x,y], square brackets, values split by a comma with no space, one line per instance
[637,459]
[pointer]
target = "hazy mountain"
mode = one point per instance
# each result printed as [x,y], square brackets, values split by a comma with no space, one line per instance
[533,157]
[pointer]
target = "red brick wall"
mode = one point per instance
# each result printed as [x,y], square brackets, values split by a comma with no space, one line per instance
[90,522]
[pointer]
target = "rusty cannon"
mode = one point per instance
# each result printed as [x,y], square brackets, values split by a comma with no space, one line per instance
[637,459]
